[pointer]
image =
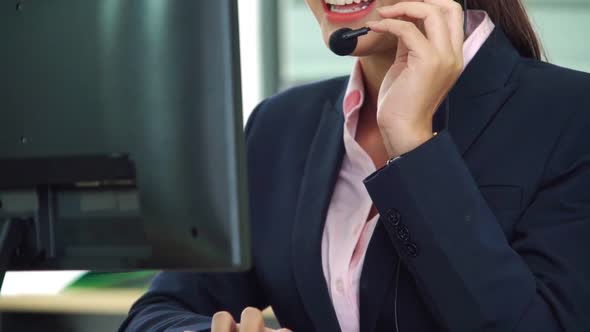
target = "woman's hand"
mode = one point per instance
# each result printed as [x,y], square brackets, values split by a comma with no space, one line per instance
[251,321]
[426,67]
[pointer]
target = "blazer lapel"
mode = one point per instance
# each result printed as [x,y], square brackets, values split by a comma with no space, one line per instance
[321,171]
[479,93]
[481,90]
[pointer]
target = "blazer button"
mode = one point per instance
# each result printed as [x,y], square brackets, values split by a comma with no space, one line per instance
[403,233]
[411,249]
[394,217]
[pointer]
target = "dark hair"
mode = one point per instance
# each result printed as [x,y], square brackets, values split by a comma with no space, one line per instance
[512,17]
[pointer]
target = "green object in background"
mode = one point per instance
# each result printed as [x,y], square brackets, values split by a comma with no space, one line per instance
[121,280]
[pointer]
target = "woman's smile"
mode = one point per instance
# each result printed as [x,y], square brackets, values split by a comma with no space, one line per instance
[344,11]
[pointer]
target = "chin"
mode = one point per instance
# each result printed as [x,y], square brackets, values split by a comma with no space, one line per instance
[370,44]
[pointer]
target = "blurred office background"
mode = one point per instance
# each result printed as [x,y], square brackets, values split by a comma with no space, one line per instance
[281,46]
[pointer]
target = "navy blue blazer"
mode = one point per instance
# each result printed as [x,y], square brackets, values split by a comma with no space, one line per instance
[490,219]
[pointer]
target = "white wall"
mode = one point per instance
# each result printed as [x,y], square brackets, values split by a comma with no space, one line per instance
[250,49]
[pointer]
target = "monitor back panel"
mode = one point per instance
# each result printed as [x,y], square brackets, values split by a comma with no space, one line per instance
[130,113]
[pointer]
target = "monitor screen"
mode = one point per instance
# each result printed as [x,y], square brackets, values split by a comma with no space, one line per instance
[121,143]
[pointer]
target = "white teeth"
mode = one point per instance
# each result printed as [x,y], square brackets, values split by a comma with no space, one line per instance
[335,4]
[337,9]
[344,2]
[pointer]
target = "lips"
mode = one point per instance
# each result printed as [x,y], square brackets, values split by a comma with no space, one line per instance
[346,13]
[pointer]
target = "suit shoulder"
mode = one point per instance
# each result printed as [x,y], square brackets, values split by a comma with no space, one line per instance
[557,93]
[295,110]
[307,96]
[558,81]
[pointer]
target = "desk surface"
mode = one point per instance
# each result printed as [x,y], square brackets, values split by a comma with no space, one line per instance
[103,301]
[79,301]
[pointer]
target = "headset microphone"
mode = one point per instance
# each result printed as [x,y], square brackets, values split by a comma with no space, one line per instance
[343,41]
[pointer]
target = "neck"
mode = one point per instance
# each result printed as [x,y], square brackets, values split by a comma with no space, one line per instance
[375,67]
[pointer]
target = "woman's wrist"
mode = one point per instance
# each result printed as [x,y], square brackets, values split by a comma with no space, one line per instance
[398,142]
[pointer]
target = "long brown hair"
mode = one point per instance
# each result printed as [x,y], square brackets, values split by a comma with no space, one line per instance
[512,17]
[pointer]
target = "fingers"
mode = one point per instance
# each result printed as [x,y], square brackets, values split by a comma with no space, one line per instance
[435,22]
[223,322]
[252,320]
[455,20]
[407,32]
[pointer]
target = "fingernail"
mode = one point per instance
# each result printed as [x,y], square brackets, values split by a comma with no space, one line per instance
[371,23]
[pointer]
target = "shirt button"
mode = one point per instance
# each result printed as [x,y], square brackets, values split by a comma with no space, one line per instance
[340,286]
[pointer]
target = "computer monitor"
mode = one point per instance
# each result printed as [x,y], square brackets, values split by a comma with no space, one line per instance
[121,136]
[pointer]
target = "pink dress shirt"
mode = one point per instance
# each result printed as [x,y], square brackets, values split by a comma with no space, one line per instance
[347,232]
